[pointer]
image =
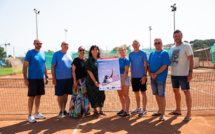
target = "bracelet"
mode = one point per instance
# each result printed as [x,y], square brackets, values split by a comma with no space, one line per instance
[190,71]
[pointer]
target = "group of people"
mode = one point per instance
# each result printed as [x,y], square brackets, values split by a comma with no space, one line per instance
[79,77]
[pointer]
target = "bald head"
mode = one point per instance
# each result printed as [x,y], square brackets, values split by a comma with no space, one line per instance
[38,44]
[64,43]
[37,40]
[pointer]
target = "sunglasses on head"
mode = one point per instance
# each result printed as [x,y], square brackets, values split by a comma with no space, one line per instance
[157,43]
[81,50]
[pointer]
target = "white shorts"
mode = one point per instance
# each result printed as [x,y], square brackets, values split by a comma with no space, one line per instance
[127,81]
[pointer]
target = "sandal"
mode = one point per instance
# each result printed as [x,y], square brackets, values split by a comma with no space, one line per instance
[174,113]
[156,114]
[187,119]
[102,113]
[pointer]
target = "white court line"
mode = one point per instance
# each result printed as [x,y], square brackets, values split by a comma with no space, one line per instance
[203,91]
[77,126]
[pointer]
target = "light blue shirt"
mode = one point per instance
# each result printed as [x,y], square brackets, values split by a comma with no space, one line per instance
[36,66]
[63,65]
[122,63]
[156,61]
[137,63]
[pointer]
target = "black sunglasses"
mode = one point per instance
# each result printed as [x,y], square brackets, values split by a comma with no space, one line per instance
[157,43]
[81,50]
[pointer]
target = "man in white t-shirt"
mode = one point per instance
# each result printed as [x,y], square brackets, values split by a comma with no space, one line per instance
[181,56]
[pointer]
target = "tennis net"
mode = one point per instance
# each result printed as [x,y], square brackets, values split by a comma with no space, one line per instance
[13,96]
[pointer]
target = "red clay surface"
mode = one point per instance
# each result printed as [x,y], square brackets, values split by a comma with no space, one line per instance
[203,122]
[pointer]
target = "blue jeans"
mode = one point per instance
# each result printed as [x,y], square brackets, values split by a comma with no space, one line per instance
[158,87]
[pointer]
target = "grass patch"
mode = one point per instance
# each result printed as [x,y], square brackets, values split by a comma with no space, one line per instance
[5,71]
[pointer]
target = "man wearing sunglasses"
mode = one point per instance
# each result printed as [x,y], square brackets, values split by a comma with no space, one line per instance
[158,70]
[181,55]
[35,61]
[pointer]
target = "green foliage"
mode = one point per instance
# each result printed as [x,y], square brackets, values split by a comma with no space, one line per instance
[5,71]
[49,51]
[128,47]
[198,44]
[2,53]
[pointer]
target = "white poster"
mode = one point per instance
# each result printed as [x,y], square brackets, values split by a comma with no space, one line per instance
[109,74]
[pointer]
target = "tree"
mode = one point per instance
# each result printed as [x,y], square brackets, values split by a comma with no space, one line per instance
[197,44]
[49,51]
[128,47]
[2,53]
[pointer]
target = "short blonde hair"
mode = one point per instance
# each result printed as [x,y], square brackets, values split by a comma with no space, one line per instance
[122,47]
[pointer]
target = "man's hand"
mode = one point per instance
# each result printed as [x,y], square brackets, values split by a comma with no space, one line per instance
[143,80]
[26,82]
[54,81]
[189,77]
[47,81]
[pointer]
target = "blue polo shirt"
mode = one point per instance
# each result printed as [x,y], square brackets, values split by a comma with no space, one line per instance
[36,66]
[156,61]
[63,65]
[122,63]
[137,63]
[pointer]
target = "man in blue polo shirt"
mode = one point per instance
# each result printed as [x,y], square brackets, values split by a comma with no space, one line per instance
[62,76]
[138,59]
[35,61]
[158,70]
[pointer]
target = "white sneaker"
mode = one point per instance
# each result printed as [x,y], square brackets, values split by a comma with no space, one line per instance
[39,116]
[137,110]
[60,115]
[142,113]
[31,119]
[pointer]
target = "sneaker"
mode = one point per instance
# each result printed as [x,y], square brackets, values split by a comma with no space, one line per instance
[102,113]
[142,113]
[39,116]
[65,113]
[137,110]
[120,112]
[31,119]
[60,115]
[124,114]
[162,118]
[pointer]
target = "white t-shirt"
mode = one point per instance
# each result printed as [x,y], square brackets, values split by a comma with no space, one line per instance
[179,59]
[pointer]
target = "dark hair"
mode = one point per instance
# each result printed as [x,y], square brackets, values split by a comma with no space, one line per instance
[91,48]
[80,47]
[177,31]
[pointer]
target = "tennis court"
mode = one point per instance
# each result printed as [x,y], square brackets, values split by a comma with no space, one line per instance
[13,111]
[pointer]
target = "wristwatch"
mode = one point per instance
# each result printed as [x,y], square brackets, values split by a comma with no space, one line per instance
[190,71]
[47,76]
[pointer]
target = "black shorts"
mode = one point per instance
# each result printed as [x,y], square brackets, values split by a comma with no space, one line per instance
[64,86]
[36,87]
[137,86]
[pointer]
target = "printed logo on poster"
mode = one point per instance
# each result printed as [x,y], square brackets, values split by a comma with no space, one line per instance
[109,74]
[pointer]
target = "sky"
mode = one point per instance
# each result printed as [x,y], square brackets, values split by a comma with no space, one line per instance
[106,23]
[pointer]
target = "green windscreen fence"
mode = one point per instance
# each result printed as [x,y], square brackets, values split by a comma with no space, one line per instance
[213,53]
[104,54]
